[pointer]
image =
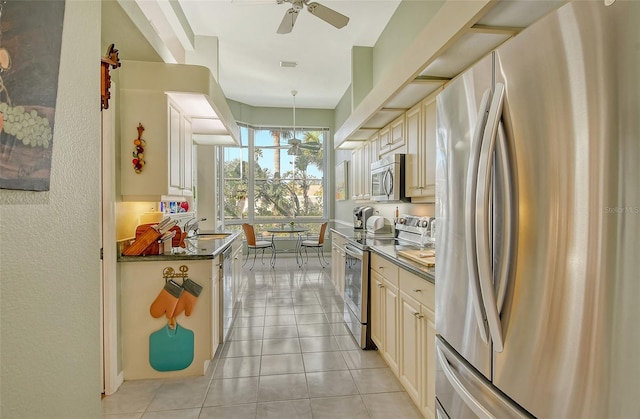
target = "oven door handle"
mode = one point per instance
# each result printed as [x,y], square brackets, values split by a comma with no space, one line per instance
[352,251]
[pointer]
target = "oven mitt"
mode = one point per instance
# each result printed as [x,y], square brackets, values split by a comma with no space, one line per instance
[188,298]
[167,300]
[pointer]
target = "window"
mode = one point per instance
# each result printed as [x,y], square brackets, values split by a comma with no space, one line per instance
[283,182]
[235,179]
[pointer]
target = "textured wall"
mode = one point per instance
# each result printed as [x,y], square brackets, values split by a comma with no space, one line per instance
[49,251]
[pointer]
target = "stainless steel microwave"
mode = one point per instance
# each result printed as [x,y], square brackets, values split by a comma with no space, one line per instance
[387,179]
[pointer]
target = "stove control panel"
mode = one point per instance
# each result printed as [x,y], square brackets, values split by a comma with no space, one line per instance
[416,229]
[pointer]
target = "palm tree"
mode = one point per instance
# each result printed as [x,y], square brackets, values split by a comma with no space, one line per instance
[277,136]
[303,161]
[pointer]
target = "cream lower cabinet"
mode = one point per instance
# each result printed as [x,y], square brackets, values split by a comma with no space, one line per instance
[417,341]
[338,259]
[216,333]
[239,279]
[140,284]
[403,328]
[384,309]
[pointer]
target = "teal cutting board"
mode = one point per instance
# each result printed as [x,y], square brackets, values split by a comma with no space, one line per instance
[171,350]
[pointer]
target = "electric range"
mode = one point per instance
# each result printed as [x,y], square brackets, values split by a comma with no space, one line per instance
[411,231]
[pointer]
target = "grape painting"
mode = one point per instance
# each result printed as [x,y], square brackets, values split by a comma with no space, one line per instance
[30,43]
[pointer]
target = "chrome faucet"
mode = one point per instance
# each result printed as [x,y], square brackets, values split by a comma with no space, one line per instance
[192,225]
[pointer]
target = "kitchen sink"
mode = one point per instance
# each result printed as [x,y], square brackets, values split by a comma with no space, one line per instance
[209,236]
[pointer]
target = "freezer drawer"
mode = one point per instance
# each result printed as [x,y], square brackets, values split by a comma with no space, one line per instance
[463,393]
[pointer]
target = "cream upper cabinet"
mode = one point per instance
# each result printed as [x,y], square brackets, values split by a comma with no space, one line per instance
[361,172]
[180,152]
[168,100]
[415,148]
[374,144]
[188,160]
[174,150]
[168,169]
[392,136]
[365,182]
[356,174]
[420,159]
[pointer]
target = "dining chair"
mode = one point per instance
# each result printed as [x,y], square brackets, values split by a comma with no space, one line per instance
[255,245]
[317,244]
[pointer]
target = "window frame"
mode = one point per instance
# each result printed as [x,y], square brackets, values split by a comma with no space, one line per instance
[251,180]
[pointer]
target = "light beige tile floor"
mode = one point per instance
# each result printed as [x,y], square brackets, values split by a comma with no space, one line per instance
[288,356]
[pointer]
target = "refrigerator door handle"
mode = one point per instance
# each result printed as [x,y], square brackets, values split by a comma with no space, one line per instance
[470,216]
[509,216]
[455,381]
[483,241]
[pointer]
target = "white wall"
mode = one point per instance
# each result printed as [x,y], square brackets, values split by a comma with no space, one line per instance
[49,251]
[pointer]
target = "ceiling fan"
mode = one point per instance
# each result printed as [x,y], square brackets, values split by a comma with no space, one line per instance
[296,145]
[323,12]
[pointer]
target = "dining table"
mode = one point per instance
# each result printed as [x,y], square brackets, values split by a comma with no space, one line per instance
[290,230]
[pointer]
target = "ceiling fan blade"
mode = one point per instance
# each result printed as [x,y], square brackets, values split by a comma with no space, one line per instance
[293,151]
[310,146]
[288,21]
[328,15]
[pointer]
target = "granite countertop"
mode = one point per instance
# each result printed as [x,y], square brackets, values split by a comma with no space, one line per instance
[203,247]
[386,248]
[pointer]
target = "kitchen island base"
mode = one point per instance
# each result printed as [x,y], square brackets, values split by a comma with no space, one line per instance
[141,283]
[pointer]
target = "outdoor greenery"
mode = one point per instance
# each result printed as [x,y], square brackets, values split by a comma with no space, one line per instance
[283,188]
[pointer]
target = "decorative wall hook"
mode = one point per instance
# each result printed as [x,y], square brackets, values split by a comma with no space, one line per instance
[138,150]
[110,60]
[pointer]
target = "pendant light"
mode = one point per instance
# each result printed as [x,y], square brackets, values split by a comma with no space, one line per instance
[294,150]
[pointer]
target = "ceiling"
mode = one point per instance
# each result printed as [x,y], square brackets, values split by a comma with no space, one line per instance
[250,50]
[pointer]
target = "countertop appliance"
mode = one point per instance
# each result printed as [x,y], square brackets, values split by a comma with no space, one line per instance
[534,147]
[387,179]
[360,217]
[416,230]
[377,224]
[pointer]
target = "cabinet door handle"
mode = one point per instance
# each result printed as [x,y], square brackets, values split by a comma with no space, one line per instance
[418,315]
[380,267]
[417,290]
[380,286]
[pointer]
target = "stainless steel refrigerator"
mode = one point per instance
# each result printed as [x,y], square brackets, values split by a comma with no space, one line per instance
[538,208]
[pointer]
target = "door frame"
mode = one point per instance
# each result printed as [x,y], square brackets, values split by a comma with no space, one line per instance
[111,377]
